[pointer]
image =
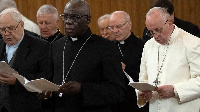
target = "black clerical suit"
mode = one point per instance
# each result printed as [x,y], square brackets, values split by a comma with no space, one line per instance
[97,68]
[54,37]
[131,53]
[30,61]
[185,25]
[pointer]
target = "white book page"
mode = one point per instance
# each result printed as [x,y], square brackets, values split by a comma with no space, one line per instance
[21,79]
[42,84]
[129,78]
[143,86]
[37,85]
[4,67]
[139,85]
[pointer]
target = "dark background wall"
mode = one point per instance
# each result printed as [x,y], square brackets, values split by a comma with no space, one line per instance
[184,9]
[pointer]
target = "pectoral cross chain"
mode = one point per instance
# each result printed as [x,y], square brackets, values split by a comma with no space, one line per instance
[156,82]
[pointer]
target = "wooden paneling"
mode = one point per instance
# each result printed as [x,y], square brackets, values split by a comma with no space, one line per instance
[188,10]
[184,9]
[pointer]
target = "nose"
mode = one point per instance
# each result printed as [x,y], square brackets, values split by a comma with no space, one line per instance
[68,20]
[6,32]
[43,25]
[115,30]
[156,35]
[105,31]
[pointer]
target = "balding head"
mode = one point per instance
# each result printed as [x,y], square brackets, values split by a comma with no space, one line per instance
[11,26]
[121,14]
[157,15]
[160,24]
[120,24]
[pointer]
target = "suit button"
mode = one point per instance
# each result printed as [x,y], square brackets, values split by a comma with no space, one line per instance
[1,101]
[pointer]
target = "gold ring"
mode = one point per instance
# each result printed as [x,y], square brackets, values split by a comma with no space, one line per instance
[45,98]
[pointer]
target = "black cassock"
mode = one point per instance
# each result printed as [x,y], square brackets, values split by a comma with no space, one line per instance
[98,69]
[131,53]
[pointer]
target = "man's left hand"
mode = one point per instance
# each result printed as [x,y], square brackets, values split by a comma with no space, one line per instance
[166,91]
[70,88]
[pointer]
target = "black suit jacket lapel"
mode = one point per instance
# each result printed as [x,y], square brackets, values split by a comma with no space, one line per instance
[22,51]
[2,49]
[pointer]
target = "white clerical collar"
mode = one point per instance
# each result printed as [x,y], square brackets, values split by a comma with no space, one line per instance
[74,38]
[122,42]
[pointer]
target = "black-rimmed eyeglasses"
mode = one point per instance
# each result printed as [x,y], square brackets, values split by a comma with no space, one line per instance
[8,29]
[73,17]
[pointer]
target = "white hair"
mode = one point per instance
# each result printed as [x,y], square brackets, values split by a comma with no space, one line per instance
[48,9]
[163,12]
[16,15]
[103,17]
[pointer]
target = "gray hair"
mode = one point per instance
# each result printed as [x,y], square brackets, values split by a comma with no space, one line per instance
[16,15]
[103,17]
[48,9]
[163,12]
[4,4]
[125,15]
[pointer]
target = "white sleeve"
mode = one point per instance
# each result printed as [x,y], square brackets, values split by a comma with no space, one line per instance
[190,90]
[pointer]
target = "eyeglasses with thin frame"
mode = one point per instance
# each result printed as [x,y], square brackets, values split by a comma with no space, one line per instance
[8,29]
[117,26]
[106,28]
[74,17]
[157,31]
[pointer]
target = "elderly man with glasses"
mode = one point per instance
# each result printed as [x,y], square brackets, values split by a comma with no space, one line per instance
[130,50]
[85,65]
[171,62]
[27,55]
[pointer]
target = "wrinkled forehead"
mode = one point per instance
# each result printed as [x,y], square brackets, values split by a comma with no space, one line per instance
[117,18]
[154,21]
[7,19]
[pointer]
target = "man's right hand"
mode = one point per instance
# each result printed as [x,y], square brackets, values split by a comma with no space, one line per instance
[145,95]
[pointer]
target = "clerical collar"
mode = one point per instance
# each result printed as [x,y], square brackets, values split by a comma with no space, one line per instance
[122,42]
[82,37]
[127,39]
[53,37]
[74,38]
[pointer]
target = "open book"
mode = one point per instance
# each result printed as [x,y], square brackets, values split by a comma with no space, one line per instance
[37,85]
[141,86]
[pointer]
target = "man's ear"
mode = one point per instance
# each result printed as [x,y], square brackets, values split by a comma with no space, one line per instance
[171,21]
[171,18]
[22,23]
[88,20]
[130,24]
